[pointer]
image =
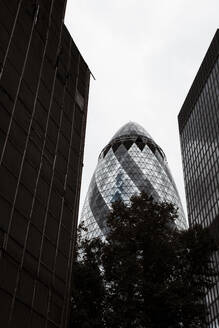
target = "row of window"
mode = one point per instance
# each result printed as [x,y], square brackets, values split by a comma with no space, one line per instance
[200,150]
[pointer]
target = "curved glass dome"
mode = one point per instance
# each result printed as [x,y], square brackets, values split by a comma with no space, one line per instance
[131,129]
[129,164]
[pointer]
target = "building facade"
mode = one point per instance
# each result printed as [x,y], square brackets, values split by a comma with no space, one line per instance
[44,85]
[130,163]
[199,134]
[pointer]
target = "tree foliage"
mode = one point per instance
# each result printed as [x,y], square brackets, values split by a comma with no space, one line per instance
[146,273]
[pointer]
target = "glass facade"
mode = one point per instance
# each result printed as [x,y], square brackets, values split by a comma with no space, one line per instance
[199,133]
[130,163]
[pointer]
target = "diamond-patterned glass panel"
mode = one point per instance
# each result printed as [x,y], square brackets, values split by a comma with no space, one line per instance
[125,169]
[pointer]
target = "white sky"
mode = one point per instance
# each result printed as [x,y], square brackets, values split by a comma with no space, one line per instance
[144,56]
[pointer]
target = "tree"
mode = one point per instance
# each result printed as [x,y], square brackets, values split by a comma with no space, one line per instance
[147,273]
[88,284]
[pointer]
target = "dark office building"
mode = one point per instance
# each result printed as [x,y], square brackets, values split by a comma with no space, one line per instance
[44,85]
[199,133]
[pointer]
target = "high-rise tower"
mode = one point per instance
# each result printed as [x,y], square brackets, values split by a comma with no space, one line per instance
[129,164]
[199,134]
[44,84]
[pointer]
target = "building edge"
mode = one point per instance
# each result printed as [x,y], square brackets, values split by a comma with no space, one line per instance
[199,81]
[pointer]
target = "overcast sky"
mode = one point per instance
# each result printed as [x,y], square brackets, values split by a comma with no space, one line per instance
[144,56]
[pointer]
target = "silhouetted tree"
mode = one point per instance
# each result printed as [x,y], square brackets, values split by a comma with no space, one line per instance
[88,285]
[146,273]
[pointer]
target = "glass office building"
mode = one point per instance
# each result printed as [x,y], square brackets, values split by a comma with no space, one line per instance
[199,134]
[129,164]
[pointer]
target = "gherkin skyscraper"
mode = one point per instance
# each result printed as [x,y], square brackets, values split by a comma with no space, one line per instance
[129,164]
